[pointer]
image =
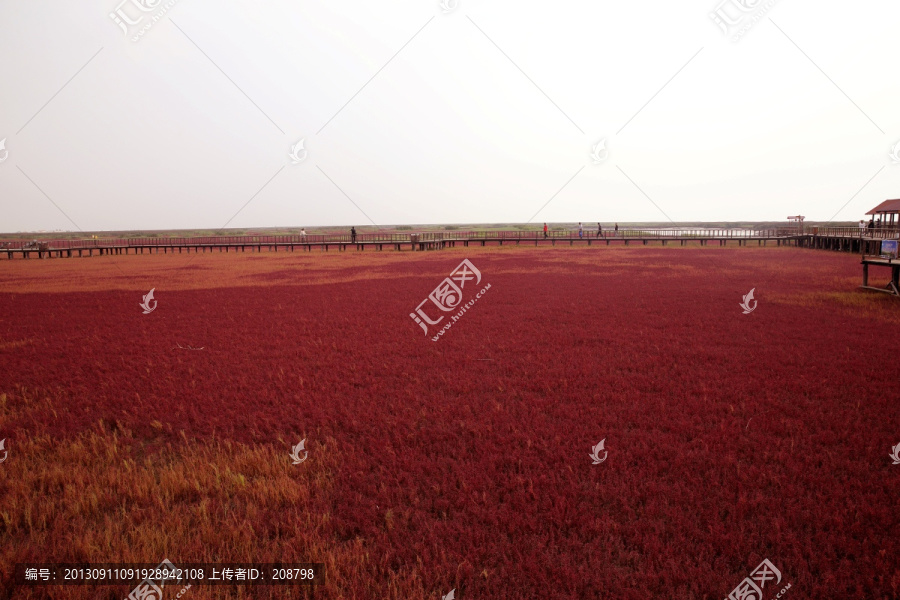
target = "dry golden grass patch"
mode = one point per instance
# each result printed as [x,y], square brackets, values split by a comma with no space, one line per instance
[107,497]
[229,269]
[215,270]
[856,303]
[13,344]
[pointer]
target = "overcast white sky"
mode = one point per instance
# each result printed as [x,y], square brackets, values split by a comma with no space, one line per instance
[410,115]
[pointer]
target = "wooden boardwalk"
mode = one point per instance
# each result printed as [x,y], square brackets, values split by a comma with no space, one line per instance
[395,241]
[893,287]
[849,239]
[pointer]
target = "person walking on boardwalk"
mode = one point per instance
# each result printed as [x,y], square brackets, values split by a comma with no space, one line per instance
[303,233]
[599,230]
[353,235]
[617,230]
[862,227]
[545,230]
[580,230]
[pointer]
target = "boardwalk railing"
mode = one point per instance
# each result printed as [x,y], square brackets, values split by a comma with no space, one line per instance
[621,233]
[878,233]
[429,236]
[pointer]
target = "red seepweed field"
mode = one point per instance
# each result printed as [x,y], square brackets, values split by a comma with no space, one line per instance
[462,463]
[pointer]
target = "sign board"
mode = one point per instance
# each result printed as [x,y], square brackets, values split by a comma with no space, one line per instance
[889,248]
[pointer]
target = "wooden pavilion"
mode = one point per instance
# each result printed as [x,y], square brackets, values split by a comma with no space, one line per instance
[887,212]
[887,228]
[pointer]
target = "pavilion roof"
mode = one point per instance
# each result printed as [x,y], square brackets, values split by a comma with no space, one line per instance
[888,206]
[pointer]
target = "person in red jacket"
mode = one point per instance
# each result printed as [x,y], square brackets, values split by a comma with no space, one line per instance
[545,230]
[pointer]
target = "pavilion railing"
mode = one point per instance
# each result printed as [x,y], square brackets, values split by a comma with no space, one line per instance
[878,233]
